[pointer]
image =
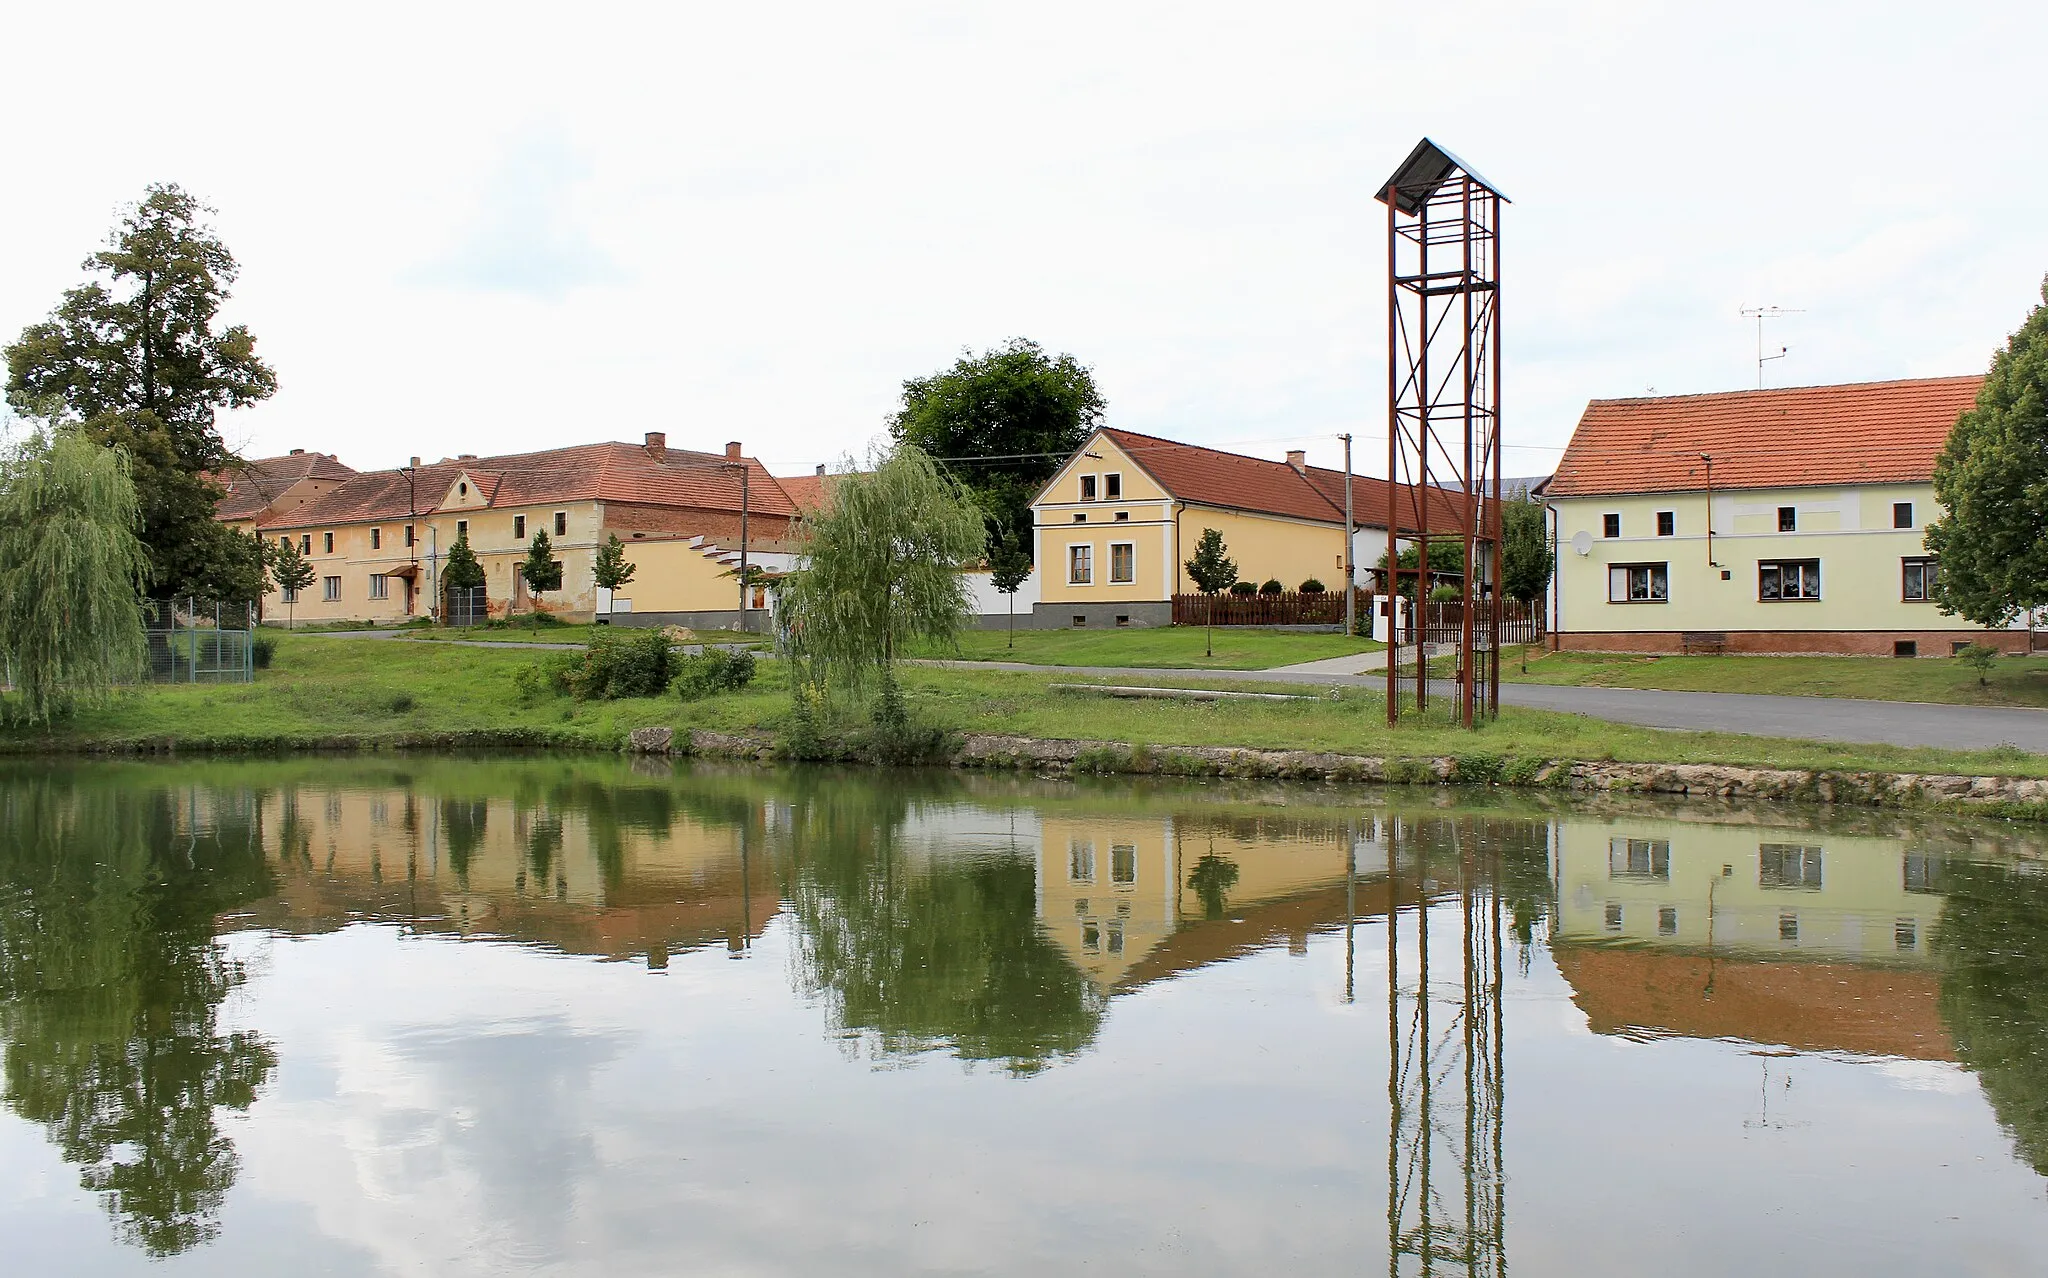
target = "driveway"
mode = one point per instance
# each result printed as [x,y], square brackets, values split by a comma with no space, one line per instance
[1900,723]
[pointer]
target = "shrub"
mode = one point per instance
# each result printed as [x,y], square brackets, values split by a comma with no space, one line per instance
[623,663]
[1272,587]
[1311,587]
[1445,593]
[1979,657]
[401,703]
[713,671]
[1243,588]
[262,650]
[893,737]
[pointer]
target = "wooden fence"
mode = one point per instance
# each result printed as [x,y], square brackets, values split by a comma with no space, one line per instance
[1321,608]
[1519,622]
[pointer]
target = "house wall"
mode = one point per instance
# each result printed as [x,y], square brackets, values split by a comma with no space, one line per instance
[1146,523]
[1862,608]
[1266,546]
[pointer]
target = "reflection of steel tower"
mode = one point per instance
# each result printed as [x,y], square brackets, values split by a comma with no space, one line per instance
[1445,1178]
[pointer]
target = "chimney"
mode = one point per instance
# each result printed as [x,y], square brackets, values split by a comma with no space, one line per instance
[821,470]
[415,463]
[298,452]
[1297,458]
[465,457]
[657,444]
[732,451]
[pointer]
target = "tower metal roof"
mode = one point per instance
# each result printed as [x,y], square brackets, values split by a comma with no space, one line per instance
[1427,167]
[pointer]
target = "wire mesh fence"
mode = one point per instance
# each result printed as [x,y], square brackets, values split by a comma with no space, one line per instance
[467,606]
[199,641]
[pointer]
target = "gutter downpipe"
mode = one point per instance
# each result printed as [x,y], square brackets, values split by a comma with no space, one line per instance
[1551,518]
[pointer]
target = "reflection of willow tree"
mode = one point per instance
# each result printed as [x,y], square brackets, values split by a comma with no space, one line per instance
[110,989]
[1994,993]
[923,952]
[1211,880]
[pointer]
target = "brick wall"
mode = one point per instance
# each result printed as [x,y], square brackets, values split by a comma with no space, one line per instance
[720,526]
[1854,643]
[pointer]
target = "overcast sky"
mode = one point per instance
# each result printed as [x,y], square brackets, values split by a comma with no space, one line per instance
[499,228]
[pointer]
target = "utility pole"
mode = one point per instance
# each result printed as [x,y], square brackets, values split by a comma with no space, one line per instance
[1350,533]
[744,583]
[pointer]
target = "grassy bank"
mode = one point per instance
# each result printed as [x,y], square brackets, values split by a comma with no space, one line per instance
[348,693]
[2011,681]
[1162,648]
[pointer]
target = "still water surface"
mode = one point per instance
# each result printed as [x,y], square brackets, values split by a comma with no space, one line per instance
[538,1016]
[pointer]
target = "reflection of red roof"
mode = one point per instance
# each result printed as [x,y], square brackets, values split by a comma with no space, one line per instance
[1883,1011]
[253,485]
[1873,432]
[626,473]
[1232,481]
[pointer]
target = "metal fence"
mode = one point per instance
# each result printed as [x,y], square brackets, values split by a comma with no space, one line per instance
[466,606]
[199,641]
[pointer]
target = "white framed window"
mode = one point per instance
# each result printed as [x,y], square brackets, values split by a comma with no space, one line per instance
[1112,486]
[1610,525]
[1123,864]
[1080,565]
[330,588]
[1917,577]
[1639,859]
[519,528]
[1667,523]
[1123,562]
[380,587]
[1788,579]
[561,523]
[1087,488]
[1638,583]
[461,529]
[1081,861]
[1902,514]
[1788,865]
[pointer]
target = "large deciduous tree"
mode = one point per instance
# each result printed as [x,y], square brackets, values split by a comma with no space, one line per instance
[1992,479]
[881,569]
[70,574]
[138,358]
[1003,421]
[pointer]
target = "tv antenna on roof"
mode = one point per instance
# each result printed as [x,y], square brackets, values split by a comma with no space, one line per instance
[1762,313]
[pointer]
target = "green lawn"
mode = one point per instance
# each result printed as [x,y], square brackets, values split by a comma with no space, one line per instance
[342,690]
[1159,647]
[551,634]
[2012,681]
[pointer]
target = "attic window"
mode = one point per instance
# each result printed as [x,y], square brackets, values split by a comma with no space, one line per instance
[462,489]
[1087,488]
[1112,486]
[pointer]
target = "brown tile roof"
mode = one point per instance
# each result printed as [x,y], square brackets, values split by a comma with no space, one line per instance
[1867,433]
[253,485]
[626,473]
[1232,481]
[807,492]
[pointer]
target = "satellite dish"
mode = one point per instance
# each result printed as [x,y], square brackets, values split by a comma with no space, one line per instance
[1582,542]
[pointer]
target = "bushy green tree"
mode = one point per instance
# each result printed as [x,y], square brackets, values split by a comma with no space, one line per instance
[1212,572]
[1004,420]
[71,569]
[1009,565]
[138,359]
[881,569]
[542,571]
[1525,561]
[1992,480]
[461,571]
[292,572]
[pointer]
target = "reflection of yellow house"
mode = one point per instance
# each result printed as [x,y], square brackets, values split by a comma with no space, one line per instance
[1731,931]
[1118,521]
[1116,892]
[532,873]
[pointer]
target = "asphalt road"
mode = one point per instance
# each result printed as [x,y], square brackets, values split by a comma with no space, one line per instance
[1902,723]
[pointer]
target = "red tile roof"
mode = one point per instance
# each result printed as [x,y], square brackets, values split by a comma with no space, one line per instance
[807,492]
[253,485]
[1867,433]
[625,473]
[1232,481]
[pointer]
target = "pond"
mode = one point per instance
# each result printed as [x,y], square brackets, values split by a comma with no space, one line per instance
[595,1017]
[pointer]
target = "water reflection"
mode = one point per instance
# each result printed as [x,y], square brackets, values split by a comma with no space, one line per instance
[998,923]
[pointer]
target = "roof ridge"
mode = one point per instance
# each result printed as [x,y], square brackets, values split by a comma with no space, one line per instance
[1791,390]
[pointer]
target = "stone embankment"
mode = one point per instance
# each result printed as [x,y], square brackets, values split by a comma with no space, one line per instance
[2012,796]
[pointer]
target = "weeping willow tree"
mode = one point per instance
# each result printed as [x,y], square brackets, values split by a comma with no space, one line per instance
[881,571]
[70,568]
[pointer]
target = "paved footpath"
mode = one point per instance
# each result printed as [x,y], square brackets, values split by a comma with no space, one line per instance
[1903,723]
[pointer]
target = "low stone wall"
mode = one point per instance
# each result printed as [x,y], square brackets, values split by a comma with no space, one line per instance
[1780,643]
[2015,796]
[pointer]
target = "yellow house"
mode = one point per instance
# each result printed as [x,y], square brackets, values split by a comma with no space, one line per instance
[378,540]
[1115,525]
[1758,521]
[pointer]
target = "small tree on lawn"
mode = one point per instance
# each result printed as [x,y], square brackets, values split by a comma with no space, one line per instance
[1008,566]
[292,572]
[611,570]
[71,568]
[881,568]
[1979,657]
[1212,574]
[462,571]
[543,572]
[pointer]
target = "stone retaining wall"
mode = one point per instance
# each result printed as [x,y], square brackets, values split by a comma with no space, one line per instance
[2018,796]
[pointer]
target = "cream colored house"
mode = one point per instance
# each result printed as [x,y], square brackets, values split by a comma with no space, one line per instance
[378,540]
[1758,521]
[1116,524]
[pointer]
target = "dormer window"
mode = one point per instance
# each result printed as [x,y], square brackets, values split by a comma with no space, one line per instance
[462,490]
